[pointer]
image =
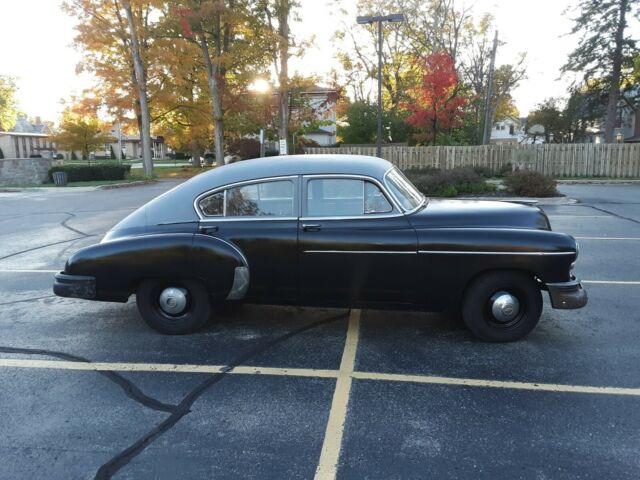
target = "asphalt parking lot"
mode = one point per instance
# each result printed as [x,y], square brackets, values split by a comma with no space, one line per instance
[87,390]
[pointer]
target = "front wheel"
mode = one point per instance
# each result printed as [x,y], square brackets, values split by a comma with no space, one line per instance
[502,306]
[173,307]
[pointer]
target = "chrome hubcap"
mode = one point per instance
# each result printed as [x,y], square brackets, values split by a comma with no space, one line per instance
[504,306]
[173,300]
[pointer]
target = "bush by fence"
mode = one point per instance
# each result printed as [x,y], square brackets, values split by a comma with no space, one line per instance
[558,160]
[449,183]
[86,173]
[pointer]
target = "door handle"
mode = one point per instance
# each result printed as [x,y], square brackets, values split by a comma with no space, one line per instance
[311,227]
[208,229]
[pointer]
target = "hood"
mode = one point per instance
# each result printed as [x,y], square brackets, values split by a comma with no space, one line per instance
[479,214]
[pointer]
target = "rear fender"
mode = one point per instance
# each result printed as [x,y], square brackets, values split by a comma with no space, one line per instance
[119,265]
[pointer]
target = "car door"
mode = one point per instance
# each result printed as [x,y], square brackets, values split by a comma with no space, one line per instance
[356,247]
[260,217]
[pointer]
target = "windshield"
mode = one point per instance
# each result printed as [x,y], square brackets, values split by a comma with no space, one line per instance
[403,190]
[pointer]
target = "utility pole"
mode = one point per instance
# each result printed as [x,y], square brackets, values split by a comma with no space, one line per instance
[488,113]
[367,20]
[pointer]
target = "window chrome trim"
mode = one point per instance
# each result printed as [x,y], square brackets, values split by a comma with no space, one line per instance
[406,212]
[390,199]
[357,217]
[224,188]
[405,252]
[460,252]
[220,218]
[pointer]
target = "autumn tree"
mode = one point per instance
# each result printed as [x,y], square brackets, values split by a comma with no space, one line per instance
[81,132]
[550,115]
[438,105]
[474,64]
[183,112]
[8,104]
[605,49]
[141,84]
[103,34]
[233,41]
[357,53]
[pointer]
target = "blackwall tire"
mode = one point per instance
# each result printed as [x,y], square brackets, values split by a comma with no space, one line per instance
[156,308]
[502,306]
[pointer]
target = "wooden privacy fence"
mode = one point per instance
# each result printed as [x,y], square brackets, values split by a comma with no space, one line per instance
[559,160]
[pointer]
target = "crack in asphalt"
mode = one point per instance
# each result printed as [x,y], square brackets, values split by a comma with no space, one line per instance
[110,468]
[33,299]
[129,388]
[622,217]
[62,224]
[45,246]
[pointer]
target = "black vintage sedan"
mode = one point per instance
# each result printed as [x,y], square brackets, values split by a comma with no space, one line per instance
[327,230]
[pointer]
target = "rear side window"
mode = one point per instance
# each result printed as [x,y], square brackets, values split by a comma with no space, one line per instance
[213,205]
[266,199]
[344,197]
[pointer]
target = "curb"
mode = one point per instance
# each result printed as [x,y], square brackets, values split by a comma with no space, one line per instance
[126,184]
[587,181]
[538,200]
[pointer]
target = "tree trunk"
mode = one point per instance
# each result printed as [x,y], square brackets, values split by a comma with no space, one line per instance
[216,101]
[195,153]
[283,78]
[614,88]
[141,82]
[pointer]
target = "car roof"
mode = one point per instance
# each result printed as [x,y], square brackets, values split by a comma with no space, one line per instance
[286,165]
[176,205]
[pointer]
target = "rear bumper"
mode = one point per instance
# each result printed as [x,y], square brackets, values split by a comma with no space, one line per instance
[567,295]
[74,286]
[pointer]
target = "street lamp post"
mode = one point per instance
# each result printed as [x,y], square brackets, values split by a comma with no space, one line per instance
[368,20]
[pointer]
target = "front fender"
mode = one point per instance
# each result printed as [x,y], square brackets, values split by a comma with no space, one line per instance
[119,265]
[449,258]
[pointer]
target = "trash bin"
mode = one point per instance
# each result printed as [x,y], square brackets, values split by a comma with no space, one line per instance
[60,179]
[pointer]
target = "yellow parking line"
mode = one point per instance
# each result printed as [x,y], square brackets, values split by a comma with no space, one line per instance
[163,368]
[611,282]
[330,453]
[581,216]
[473,382]
[623,239]
[12,270]
[344,376]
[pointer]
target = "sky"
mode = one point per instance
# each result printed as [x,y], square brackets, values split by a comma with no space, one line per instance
[37,48]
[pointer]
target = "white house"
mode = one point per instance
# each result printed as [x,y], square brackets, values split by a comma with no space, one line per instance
[26,139]
[507,131]
[132,148]
[323,103]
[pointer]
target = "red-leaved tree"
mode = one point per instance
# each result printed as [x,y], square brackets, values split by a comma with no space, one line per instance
[438,105]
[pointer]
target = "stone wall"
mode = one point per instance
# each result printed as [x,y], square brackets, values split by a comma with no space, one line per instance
[23,171]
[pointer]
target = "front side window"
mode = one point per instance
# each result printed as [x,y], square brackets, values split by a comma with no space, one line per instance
[344,197]
[405,192]
[267,199]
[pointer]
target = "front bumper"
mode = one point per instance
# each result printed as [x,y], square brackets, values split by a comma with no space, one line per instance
[567,295]
[74,286]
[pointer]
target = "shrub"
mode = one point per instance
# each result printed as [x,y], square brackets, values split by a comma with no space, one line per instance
[1,154]
[303,143]
[449,183]
[505,169]
[530,184]
[245,148]
[484,172]
[421,171]
[86,173]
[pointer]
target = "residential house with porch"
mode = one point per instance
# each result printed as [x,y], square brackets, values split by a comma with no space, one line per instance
[27,139]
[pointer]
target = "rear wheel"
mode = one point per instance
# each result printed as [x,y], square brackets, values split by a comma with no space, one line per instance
[502,306]
[173,307]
